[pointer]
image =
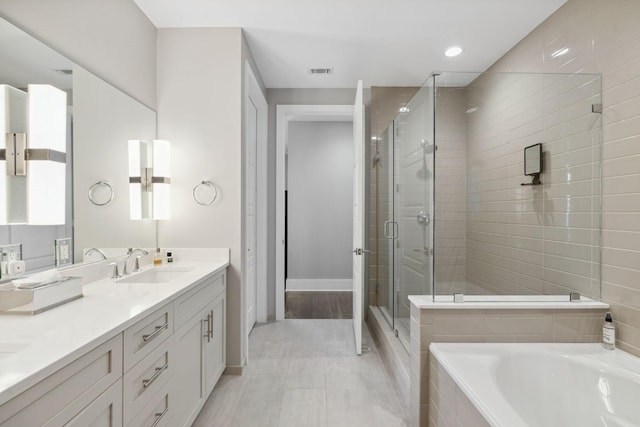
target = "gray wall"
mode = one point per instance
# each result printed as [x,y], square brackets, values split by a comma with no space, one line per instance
[113,39]
[320,218]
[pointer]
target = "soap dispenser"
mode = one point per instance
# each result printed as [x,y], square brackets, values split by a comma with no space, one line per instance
[157,259]
[608,332]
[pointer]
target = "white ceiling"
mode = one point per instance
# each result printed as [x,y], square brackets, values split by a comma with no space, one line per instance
[383,42]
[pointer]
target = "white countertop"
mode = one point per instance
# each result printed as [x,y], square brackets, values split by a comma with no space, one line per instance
[482,302]
[56,337]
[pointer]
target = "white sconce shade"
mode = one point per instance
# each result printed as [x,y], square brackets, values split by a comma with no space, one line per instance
[149,178]
[13,119]
[33,137]
[47,133]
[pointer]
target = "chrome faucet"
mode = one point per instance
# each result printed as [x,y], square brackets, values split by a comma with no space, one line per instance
[137,264]
[96,250]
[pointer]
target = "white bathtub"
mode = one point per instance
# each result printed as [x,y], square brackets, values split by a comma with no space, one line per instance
[540,385]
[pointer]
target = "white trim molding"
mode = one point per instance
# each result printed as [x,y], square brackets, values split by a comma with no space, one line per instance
[284,115]
[319,285]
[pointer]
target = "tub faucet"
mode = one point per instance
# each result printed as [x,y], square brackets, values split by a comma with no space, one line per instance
[136,267]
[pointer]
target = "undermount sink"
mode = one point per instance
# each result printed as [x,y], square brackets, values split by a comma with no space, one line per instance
[156,275]
[9,348]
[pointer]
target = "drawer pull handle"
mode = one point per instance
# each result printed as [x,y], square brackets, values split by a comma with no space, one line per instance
[208,334]
[211,326]
[147,383]
[147,338]
[159,416]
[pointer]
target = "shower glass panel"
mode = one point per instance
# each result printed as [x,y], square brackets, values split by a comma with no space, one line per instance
[384,209]
[414,150]
[495,232]
[405,210]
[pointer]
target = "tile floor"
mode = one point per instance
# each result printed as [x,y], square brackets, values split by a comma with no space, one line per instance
[306,373]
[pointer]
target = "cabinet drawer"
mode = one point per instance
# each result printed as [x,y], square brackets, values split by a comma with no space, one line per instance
[146,379]
[198,298]
[157,413]
[105,411]
[146,335]
[71,388]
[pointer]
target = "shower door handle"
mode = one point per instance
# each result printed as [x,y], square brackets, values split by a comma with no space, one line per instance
[395,230]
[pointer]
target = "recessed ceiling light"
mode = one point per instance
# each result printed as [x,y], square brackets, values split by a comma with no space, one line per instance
[403,109]
[560,52]
[453,51]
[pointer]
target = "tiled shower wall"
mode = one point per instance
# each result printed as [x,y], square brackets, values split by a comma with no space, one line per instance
[602,37]
[534,239]
[451,191]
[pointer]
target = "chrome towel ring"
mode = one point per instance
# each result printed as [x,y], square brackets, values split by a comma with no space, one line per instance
[101,193]
[205,193]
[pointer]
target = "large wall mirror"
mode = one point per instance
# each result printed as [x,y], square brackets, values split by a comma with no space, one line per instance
[100,121]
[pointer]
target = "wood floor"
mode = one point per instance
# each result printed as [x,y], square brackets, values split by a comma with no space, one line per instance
[306,373]
[318,305]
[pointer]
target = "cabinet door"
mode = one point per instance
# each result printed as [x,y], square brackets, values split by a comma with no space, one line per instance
[189,344]
[215,350]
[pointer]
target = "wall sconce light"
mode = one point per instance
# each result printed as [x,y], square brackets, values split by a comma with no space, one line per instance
[149,179]
[33,139]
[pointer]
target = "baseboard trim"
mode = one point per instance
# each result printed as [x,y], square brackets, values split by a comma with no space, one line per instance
[233,370]
[319,285]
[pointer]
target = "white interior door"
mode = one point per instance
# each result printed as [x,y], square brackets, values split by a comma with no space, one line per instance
[251,228]
[358,216]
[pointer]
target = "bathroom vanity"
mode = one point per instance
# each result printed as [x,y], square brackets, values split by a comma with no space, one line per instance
[145,350]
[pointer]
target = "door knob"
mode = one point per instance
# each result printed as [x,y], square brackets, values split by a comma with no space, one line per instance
[359,251]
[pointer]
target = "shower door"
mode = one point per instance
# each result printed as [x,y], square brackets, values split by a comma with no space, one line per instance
[414,155]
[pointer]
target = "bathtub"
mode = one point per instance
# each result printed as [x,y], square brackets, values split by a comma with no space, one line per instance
[537,385]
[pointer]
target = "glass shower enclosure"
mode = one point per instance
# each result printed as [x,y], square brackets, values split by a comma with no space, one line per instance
[405,209]
[457,213]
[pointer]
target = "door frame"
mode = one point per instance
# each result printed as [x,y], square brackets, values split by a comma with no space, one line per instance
[254,93]
[284,115]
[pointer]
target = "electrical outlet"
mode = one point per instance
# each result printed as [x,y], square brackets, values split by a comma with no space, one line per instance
[11,253]
[63,251]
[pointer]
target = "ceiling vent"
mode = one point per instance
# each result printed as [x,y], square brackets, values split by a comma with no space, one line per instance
[320,70]
[64,71]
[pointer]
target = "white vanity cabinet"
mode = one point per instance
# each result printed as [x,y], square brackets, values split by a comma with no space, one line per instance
[79,391]
[200,346]
[157,372]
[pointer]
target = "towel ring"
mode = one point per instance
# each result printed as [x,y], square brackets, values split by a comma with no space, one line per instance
[94,194]
[205,185]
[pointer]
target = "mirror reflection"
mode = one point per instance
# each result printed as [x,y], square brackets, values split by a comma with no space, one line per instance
[98,122]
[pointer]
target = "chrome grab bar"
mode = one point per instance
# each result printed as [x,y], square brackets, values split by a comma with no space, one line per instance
[147,383]
[147,338]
